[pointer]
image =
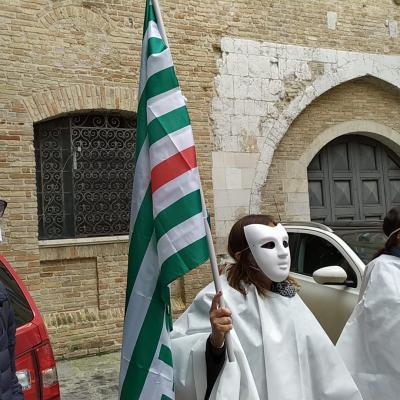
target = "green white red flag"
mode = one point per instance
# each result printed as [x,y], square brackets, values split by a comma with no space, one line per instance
[168,235]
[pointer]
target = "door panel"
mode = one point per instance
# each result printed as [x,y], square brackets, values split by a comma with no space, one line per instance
[331,305]
[353,178]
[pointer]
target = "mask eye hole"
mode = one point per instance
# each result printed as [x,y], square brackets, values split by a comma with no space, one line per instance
[285,243]
[268,245]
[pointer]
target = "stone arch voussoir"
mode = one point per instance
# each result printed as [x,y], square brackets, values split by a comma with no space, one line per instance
[50,103]
[88,18]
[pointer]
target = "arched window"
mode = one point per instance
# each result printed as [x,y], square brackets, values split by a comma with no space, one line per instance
[84,174]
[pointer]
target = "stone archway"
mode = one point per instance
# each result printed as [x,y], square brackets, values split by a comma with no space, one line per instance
[274,132]
[50,103]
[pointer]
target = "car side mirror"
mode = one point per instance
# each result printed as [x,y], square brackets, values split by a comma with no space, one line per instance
[333,275]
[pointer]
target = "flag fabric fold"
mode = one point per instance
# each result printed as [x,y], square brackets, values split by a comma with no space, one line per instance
[168,236]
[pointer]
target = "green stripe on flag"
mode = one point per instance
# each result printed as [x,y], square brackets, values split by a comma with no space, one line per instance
[161,82]
[183,209]
[145,347]
[155,46]
[141,236]
[151,15]
[165,397]
[184,261]
[167,123]
[141,128]
[148,16]
[158,83]
[165,355]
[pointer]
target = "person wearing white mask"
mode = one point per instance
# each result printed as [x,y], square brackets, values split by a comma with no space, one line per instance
[281,351]
[369,343]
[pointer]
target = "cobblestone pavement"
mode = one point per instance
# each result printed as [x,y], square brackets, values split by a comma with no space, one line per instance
[89,378]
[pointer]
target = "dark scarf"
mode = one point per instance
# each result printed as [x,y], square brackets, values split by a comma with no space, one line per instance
[394,251]
[284,288]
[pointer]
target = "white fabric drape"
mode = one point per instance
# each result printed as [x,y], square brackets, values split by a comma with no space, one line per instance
[370,341]
[281,351]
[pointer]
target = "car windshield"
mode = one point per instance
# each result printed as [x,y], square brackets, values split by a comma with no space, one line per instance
[364,242]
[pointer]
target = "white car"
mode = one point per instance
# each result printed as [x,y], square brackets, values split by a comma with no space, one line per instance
[329,265]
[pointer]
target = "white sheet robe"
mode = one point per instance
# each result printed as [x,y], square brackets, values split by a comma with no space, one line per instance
[281,351]
[370,341]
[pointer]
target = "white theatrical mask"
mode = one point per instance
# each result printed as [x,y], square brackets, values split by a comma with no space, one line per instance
[270,248]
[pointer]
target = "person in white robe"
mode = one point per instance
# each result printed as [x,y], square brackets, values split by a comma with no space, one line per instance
[370,341]
[281,351]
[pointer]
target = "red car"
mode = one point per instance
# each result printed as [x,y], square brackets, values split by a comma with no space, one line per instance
[36,367]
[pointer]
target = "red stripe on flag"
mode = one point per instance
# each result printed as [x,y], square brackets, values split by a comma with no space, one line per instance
[173,167]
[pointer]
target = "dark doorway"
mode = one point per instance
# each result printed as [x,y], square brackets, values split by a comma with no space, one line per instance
[353,178]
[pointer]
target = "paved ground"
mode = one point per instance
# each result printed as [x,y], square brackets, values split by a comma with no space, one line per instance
[89,378]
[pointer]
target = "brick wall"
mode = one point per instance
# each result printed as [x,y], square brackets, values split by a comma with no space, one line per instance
[63,56]
[83,293]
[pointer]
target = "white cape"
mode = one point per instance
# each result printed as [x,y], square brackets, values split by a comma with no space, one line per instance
[281,351]
[370,341]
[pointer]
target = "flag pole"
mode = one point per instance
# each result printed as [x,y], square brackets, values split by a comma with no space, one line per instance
[213,258]
[160,22]
[215,273]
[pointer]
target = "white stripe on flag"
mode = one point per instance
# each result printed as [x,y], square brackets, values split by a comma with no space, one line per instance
[170,145]
[175,189]
[180,236]
[164,103]
[138,305]
[159,371]
[152,29]
[141,181]
[158,62]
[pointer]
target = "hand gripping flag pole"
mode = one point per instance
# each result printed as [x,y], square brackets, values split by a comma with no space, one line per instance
[216,277]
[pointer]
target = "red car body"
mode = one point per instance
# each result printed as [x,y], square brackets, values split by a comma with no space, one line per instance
[35,363]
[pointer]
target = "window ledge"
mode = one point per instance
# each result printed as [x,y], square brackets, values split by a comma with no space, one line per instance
[84,241]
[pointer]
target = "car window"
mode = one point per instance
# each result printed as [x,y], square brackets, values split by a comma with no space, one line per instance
[22,310]
[364,243]
[315,252]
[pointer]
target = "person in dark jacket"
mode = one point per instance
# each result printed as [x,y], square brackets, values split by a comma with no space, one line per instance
[10,389]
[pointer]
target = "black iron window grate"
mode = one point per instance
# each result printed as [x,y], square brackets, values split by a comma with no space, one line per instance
[84,175]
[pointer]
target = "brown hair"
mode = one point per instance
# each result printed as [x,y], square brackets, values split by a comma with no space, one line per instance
[245,270]
[390,223]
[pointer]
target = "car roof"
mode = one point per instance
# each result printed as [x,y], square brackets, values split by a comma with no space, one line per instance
[339,225]
[308,224]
